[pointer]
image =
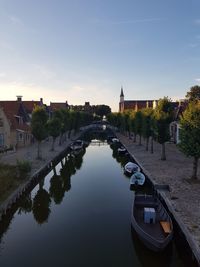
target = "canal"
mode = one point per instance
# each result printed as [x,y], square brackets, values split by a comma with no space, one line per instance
[79,215]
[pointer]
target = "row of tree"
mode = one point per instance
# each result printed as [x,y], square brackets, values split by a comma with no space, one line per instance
[59,124]
[154,124]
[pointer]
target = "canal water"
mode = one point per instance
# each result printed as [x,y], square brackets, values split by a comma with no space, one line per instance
[79,215]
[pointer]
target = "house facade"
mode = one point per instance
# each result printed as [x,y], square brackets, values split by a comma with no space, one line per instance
[15,118]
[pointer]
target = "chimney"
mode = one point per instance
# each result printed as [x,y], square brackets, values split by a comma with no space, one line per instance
[19,98]
[41,100]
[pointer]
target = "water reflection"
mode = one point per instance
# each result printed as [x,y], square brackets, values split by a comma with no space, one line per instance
[90,228]
[41,204]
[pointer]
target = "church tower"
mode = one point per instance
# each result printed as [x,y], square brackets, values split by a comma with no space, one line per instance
[122,95]
[121,102]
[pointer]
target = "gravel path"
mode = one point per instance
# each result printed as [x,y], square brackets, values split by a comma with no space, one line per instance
[176,171]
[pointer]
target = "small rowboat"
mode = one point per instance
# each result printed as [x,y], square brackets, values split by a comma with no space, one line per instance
[137,179]
[130,168]
[151,222]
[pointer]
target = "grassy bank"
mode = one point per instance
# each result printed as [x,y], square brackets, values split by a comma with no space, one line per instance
[11,177]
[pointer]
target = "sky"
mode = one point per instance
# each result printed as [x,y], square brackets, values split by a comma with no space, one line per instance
[85,50]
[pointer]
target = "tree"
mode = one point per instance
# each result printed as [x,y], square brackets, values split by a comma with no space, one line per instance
[194,93]
[102,110]
[39,126]
[147,125]
[54,129]
[163,115]
[138,125]
[190,134]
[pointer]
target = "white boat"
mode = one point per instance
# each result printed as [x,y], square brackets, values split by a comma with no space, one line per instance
[137,179]
[131,168]
[121,150]
[115,140]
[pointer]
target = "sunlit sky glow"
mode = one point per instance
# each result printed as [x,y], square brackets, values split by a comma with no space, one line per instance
[84,50]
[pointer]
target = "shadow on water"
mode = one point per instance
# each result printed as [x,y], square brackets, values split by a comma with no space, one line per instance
[148,258]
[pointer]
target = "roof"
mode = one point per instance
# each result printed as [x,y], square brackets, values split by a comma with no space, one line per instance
[58,105]
[13,111]
[30,105]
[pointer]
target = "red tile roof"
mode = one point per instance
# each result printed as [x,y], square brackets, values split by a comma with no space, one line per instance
[12,110]
[58,105]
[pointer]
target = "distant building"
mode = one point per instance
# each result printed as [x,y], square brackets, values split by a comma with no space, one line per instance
[135,104]
[58,105]
[15,118]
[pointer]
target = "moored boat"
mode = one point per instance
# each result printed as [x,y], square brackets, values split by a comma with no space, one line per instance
[151,222]
[130,168]
[121,150]
[137,179]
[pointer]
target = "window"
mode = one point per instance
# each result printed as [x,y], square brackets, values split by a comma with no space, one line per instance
[1,122]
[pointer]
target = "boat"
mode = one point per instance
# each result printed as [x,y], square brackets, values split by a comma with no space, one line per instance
[130,168]
[137,179]
[115,140]
[151,222]
[121,150]
[77,145]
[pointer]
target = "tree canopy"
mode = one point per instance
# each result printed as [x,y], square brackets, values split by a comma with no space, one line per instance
[190,134]
[194,93]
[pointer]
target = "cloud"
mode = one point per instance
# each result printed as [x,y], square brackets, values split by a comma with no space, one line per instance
[197,80]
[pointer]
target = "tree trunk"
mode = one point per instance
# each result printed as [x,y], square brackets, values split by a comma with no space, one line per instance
[140,141]
[163,155]
[38,151]
[60,139]
[152,145]
[53,142]
[134,140]
[195,167]
[147,143]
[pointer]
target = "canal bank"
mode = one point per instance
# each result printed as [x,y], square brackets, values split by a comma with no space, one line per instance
[39,167]
[183,196]
[79,217]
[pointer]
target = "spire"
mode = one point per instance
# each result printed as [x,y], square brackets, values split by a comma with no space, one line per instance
[122,93]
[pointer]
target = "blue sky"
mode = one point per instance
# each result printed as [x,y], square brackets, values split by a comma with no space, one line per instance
[84,50]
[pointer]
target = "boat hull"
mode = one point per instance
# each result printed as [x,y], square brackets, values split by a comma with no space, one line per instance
[150,241]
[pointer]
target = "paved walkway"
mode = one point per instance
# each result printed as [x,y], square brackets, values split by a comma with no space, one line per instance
[30,153]
[176,171]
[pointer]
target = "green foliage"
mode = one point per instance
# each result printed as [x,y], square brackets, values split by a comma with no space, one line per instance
[190,130]
[24,168]
[147,122]
[194,93]
[138,122]
[39,123]
[163,115]
[102,110]
[54,127]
